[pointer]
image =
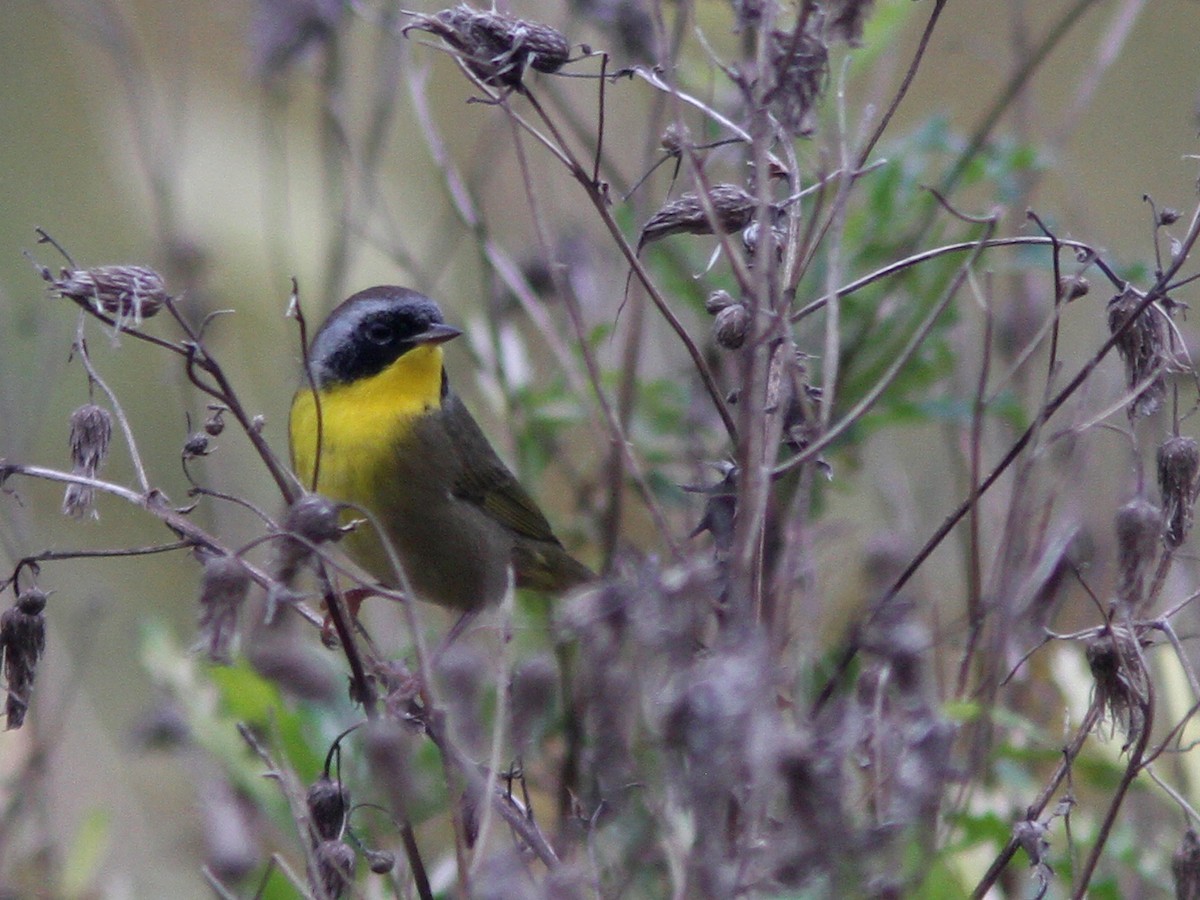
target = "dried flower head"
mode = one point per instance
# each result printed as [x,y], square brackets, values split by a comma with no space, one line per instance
[223,589]
[1121,682]
[22,642]
[1073,287]
[1138,526]
[731,326]
[127,292]
[1141,346]
[91,433]
[380,861]
[1185,867]
[335,867]
[1178,465]
[328,803]
[312,518]
[799,63]
[498,49]
[717,301]
[845,20]
[732,206]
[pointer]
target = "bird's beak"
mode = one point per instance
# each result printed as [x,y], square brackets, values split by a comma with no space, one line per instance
[438,333]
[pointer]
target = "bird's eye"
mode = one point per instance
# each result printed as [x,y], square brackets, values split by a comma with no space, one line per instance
[378,333]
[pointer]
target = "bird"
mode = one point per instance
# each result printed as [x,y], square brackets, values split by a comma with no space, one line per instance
[396,440]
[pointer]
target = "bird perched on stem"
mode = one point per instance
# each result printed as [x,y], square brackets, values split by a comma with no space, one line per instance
[396,440]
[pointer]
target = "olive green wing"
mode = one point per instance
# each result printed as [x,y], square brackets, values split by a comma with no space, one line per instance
[484,480]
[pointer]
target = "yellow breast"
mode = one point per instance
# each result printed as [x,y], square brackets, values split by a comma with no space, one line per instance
[361,423]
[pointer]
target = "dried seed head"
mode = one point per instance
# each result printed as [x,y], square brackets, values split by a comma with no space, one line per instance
[327,804]
[731,326]
[1073,287]
[498,49]
[1178,465]
[196,445]
[335,867]
[91,432]
[313,518]
[22,642]
[717,301]
[1185,867]
[1168,216]
[1121,681]
[127,292]
[846,18]
[223,588]
[732,206]
[1141,347]
[674,138]
[215,424]
[380,861]
[750,236]
[798,63]
[1138,525]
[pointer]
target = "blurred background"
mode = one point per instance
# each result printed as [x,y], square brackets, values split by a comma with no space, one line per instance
[231,145]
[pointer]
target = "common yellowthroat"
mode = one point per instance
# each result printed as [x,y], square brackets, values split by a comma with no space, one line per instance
[398,441]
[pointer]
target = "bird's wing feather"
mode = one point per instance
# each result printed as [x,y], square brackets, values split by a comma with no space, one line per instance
[484,480]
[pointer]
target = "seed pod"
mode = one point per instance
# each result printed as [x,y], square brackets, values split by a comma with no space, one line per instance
[223,589]
[717,301]
[1072,288]
[732,206]
[798,66]
[1168,216]
[91,432]
[731,326]
[1121,681]
[380,861]
[1185,867]
[215,424]
[1138,524]
[335,867]
[498,49]
[1178,465]
[327,804]
[127,292]
[313,518]
[1141,348]
[22,642]
[196,445]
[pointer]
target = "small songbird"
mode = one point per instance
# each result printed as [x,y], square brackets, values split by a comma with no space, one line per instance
[396,440]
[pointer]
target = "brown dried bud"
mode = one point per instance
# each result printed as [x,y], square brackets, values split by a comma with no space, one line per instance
[313,518]
[1185,867]
[1141,347]
[127,292]
[1122,683]
[675,138]
[717,301]
[1168,216]
[196,445]
[380,861]
[335,867]
[1073,287]
[1138,524]
[1178,465]
[223,589]
[91,432]
[799,64]
[498,49]
[733,207]
[846,18]
[327,803]
[731,326]
[215,424]
[22,642]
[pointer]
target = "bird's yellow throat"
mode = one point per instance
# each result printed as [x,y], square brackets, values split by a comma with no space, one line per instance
[361,421]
